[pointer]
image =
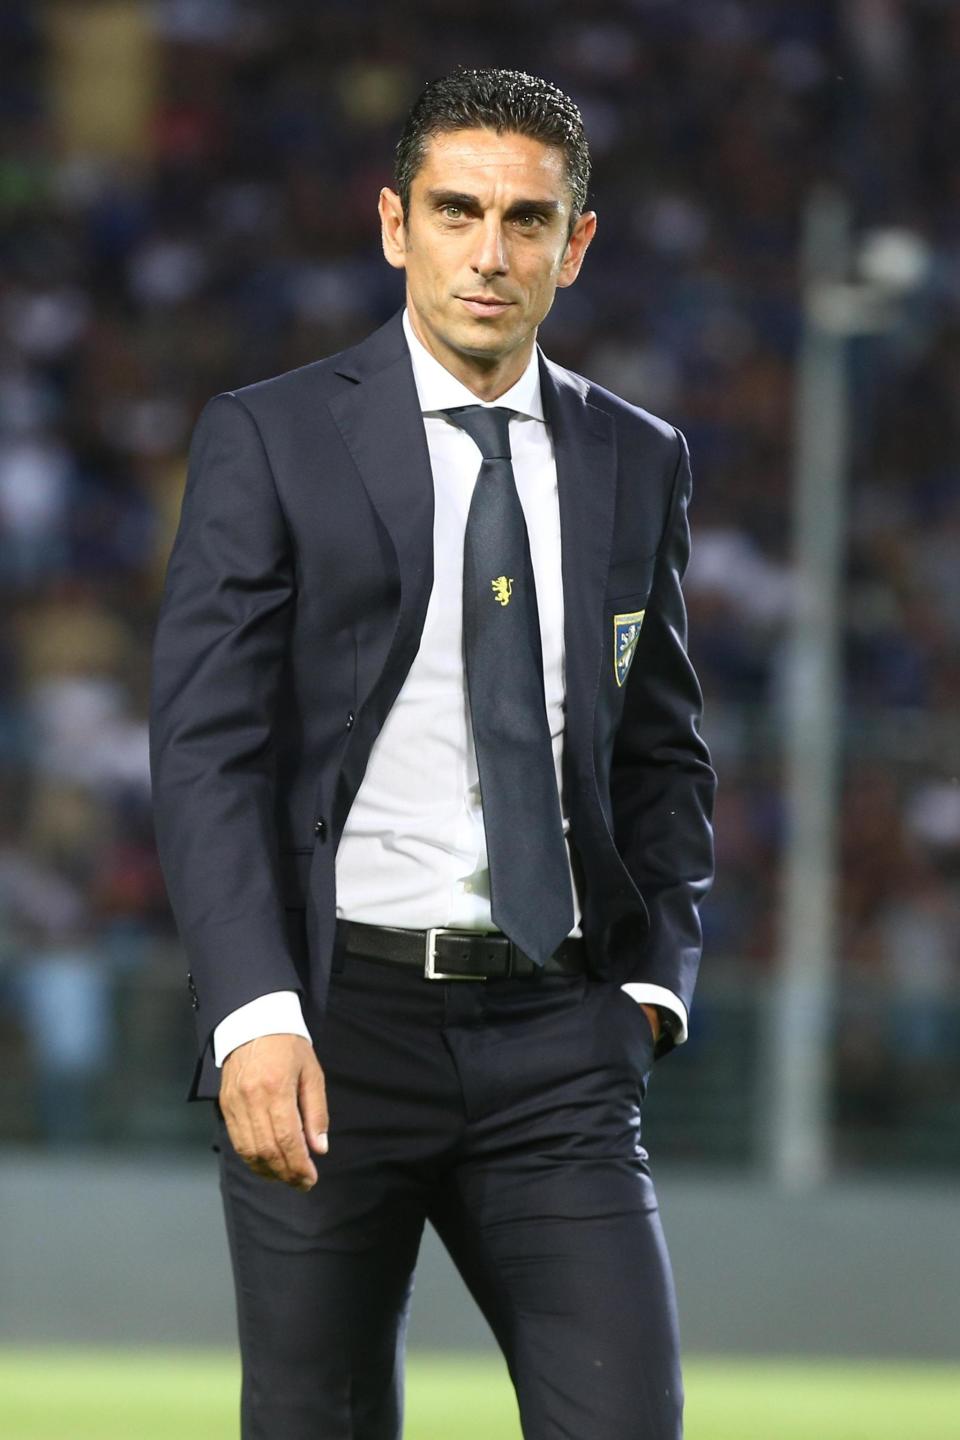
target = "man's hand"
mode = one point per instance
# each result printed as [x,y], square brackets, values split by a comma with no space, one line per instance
[653,1015]
[274,1100]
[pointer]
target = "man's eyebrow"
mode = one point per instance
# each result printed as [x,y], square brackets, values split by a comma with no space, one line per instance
[440,197]
[534,207]
[453,197]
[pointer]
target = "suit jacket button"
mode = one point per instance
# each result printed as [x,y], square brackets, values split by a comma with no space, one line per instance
[320,829]
[195,1002]
[350,719]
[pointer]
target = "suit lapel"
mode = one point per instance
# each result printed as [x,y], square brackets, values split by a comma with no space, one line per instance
[379,419]
[586,457]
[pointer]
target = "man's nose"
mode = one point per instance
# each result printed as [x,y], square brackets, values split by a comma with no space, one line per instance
[491,253]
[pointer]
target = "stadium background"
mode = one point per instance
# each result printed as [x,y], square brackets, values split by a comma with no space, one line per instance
[187,195]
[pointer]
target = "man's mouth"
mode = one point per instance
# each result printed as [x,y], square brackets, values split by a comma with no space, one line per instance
[485,305]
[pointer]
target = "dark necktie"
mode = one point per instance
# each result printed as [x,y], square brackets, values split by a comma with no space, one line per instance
[530,892]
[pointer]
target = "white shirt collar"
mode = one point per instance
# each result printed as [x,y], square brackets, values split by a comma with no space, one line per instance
[439,390]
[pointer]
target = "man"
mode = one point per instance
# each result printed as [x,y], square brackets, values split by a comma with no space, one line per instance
[434,811]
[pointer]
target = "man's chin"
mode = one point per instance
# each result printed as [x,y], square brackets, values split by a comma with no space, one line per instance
[482,339]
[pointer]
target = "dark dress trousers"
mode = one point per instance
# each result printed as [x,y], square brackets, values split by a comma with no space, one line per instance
[507,1112]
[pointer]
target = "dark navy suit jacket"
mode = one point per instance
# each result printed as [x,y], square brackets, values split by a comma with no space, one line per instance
[293,607]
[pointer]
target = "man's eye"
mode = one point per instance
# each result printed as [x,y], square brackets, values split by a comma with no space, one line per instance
[453,212]
[529,222]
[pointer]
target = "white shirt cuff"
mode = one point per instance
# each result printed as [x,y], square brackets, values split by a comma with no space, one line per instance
[278,1013]
[657,995]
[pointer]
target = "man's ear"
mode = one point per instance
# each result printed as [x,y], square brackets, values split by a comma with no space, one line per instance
[393,230]
[583,232]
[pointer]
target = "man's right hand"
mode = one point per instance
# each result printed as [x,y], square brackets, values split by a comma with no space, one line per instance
[274,1101]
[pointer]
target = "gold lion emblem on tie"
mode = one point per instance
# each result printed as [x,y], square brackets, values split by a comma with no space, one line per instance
[502,589]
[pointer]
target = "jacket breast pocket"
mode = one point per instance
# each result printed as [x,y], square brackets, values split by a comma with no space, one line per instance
[628,584]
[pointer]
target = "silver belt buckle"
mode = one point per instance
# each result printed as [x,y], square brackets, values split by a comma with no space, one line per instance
[430,970]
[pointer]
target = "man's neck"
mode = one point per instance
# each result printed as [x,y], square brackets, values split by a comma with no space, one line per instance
[487,380]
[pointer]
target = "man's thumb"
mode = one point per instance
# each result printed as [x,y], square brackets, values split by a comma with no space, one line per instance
[313,1107]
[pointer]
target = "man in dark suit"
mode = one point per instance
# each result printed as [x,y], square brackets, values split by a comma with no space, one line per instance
[434,811]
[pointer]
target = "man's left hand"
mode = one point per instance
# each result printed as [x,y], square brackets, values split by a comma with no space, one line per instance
[653,1015]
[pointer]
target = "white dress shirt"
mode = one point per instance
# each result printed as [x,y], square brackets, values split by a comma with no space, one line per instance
[413,850]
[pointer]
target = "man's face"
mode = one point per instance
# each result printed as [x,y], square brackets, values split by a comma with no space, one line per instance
[485,245]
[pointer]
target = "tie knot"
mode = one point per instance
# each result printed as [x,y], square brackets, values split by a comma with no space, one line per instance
[488,427]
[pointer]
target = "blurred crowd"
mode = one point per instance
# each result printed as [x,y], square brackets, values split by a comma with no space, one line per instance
[187,203]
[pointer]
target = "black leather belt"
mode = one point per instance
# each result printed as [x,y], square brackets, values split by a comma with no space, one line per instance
[454,954]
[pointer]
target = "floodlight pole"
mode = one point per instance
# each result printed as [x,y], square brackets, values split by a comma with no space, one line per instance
[890,264]
[799,1059]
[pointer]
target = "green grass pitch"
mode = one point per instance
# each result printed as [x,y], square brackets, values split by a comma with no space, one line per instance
[167,1395]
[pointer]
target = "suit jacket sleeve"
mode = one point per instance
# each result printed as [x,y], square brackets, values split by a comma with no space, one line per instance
[662,784]
[218,655]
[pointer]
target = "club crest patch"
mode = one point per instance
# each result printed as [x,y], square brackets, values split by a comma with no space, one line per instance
[626,632]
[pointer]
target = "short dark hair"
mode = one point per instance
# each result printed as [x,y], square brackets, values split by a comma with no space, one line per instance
[508,101]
